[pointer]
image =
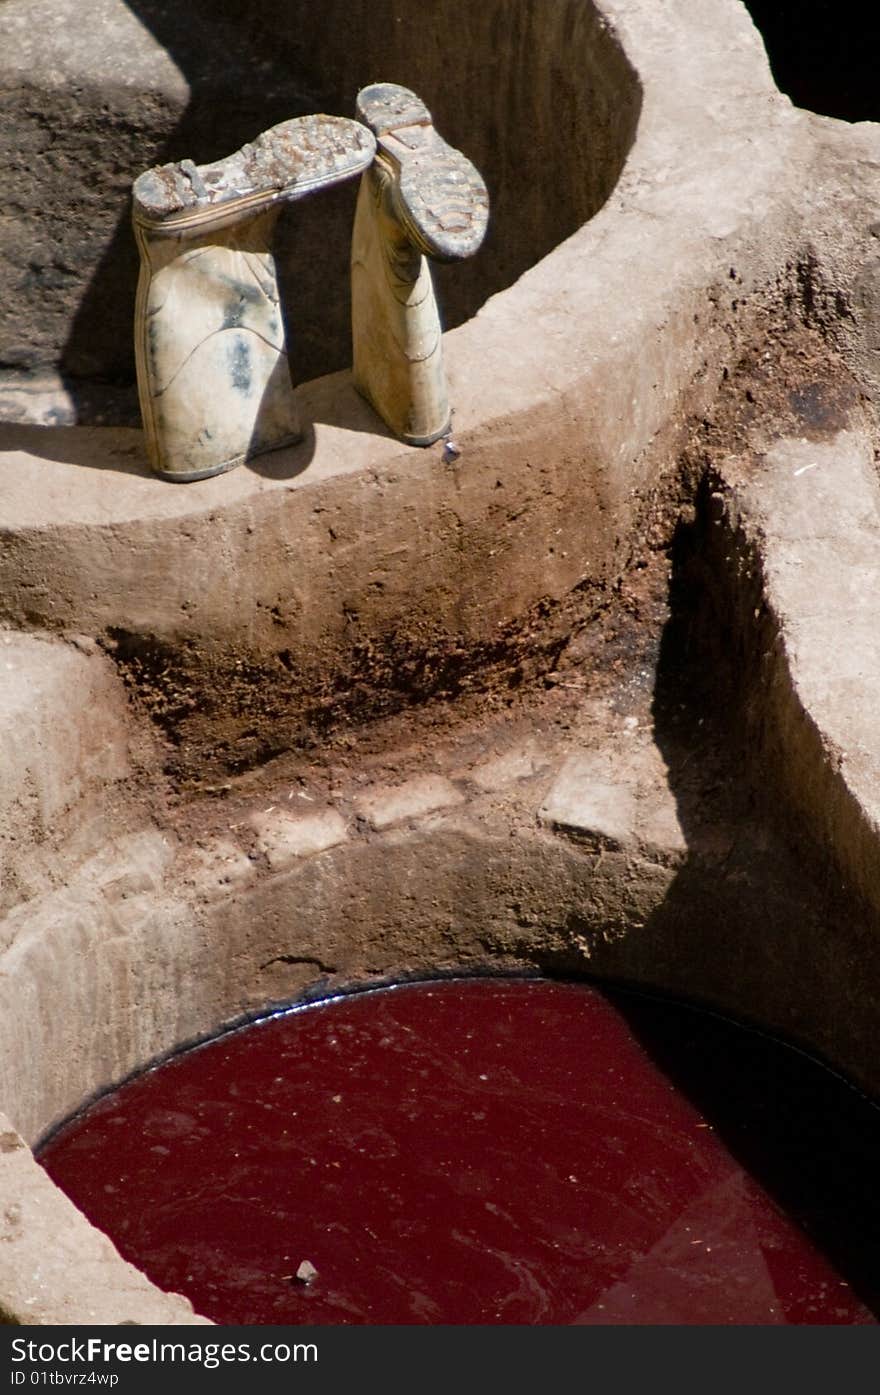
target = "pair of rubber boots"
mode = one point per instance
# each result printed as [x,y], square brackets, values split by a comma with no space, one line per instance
[213,373]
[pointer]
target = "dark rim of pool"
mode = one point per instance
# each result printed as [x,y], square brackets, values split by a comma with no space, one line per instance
[489,1150]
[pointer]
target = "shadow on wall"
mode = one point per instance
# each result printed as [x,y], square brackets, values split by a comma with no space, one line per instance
[541,98]
[235,91]
[812,1141]
[824,54]
[758,914]
[755,922]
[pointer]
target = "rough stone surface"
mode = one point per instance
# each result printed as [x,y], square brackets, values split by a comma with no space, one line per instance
[64,745]
[520,763]
[216,866]
[284,837]
[617,797]
[585,802]
[412,800]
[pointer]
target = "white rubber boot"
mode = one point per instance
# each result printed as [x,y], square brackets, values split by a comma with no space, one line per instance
[420,199]
[213,374]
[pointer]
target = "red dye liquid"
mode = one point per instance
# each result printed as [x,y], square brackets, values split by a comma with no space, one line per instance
[480,1151]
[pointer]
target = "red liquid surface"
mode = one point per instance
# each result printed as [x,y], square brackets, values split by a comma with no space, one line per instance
[479,1151]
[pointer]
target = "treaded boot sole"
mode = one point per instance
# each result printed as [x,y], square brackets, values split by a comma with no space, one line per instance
[439,197]
[286,162]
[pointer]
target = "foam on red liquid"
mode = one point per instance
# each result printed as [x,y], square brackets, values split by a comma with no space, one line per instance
[466,1151]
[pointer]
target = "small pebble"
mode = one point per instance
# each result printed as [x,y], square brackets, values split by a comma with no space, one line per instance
[306,1273]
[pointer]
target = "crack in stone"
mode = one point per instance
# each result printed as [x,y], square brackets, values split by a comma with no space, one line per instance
[299,959]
